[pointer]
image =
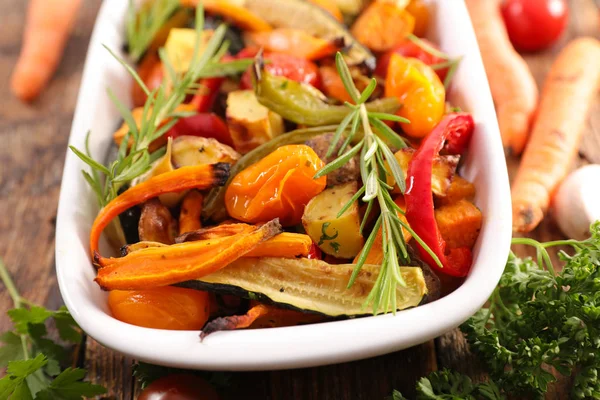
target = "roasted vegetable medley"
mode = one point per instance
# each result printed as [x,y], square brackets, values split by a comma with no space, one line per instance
[286,162]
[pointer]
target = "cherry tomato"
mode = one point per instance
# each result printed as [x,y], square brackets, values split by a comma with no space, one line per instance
[179,387]
[165,307]
[278,186]
[408,48]
[294,68]
[151,72]
[534,24]
[207,125]
[420,92]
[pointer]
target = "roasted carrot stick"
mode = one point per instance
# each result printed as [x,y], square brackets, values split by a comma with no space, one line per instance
[294,42]
[193,177]
[167,265]
[47,29]
[513,88]
[260,316]
[568,94]
[239,15]
[191,209]
[331,7]
[286,244]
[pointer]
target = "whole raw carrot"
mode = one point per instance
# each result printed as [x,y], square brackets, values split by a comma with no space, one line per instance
[47,29]
[567,97]
[513,88]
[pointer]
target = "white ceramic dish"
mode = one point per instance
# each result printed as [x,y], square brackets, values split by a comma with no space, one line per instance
[290,347]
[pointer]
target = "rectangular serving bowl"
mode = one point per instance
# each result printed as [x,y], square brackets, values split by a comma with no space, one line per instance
[289,347]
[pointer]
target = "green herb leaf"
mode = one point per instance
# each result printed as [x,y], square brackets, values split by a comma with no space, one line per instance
[69,386]
[143,26]
[11,348]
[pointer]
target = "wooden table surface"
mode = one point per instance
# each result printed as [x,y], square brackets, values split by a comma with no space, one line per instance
[33,144]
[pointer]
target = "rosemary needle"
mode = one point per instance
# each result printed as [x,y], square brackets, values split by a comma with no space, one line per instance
[374,153]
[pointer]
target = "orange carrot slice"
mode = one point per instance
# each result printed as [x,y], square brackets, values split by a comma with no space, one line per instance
[191,210]
[167,265]
[192,177]
[295,42]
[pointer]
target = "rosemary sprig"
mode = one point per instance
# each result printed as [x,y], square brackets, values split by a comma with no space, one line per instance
[450,63]
[143,26]
[160,113]
[375,153]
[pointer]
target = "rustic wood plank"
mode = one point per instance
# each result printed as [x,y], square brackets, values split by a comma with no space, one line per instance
[34,141]
[109,369]
[374,378]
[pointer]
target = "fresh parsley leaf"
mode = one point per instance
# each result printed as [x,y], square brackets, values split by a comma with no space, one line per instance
[538,320]
[12,348]
[66,325]
[32,359]
[16,375]
[22,317]
[69,386]
[451,385]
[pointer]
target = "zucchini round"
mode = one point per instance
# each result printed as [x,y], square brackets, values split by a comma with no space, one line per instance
[308,285]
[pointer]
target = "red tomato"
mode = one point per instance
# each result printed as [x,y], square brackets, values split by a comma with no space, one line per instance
[534,24]
[151,72]
[408,48]
[294,68]
[179,387]
[207,125]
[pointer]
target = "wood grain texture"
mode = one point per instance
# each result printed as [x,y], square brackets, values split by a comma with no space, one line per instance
[34,138]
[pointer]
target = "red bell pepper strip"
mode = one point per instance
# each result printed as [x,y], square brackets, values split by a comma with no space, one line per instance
[207,125]
[419,198]
[294,68]
[314,253]
[205,99]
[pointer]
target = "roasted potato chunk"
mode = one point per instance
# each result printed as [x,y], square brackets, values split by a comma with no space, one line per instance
[339,237]
[250,123]
[459,223]
[444,169]
[347,173]
[196,150]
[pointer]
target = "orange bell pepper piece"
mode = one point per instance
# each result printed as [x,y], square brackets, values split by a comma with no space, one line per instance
[419,90]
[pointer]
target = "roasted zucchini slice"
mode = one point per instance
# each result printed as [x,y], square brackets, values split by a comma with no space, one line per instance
[301,14]
[308,284]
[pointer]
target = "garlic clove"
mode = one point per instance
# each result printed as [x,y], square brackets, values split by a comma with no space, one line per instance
[576,203]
